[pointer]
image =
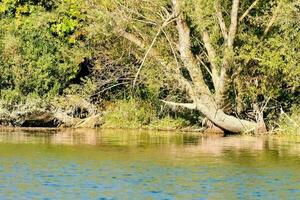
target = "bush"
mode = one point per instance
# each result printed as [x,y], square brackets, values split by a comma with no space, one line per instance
[128,114]
[33,59]
[290,124]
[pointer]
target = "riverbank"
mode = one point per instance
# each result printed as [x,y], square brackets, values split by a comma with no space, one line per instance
[187,130]
[82,130]
[119,115]
[129,115]
[97,123]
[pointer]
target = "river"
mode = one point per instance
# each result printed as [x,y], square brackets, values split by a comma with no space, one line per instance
[120,164]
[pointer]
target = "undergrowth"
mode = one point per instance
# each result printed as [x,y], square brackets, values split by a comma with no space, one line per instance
[138,114]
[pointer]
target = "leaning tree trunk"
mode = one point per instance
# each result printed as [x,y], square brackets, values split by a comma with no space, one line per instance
[210,104]
[208,107]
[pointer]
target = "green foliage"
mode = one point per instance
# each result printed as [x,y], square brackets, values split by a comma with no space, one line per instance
[138,114]
[33,60]
[290,124]
[169,123]
[45,44]
[269,63]
[85,90]
[128,114]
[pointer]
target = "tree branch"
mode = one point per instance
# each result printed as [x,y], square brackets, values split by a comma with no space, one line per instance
[248,10]
[228,59]
[221,20]
[165,23]
[212,58]
[185,51]
[132,38]
[191,106]
[234,23]
[172,68]
[272,21]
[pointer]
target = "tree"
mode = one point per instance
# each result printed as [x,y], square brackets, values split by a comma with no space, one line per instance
[205,50]
[229,58]
[40,47]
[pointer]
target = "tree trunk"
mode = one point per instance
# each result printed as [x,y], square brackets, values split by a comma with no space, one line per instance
[211,128]
[208,107]
[208,103]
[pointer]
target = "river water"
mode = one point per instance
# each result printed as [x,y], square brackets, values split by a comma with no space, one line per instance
[115,164]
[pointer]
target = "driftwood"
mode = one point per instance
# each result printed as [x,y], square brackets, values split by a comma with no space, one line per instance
[57,119]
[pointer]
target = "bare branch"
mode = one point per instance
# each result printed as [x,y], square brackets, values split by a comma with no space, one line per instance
[172,48]
[224,78]
[191,106]
[212,58]
[205,66]
[248,10]
[132,38]
[289,118]
[110,87]
[175,71]
[165,23]
[272,21]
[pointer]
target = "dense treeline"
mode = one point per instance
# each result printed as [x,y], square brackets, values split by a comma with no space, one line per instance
[228,64]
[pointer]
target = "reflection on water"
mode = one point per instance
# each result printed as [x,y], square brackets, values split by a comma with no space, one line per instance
[95,164]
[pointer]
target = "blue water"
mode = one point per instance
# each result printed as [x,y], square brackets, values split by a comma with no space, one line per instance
[145,165]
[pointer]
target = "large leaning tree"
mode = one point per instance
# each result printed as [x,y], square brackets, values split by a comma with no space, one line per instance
[195,43]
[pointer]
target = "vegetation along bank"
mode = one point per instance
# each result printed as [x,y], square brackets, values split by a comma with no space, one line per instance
[227,65]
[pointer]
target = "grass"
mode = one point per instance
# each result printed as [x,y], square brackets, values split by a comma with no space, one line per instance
[138,114]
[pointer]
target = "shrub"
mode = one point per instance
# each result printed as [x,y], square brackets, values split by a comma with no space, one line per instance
[138,114]
[129,114]
[290,124]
